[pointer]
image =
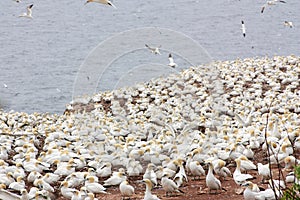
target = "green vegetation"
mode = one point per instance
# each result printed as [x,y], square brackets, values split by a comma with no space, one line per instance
[294,191]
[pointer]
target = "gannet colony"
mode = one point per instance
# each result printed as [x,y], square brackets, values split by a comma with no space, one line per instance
[167,132]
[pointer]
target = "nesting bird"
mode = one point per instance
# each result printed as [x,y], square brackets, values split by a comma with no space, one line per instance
[104,170]
[221,170]
[115,179]
[238,177]
[264,171]
[148,195]
[93,186]
[251,190]
[196,169]
[19,185]
[66,191]
[169,185]
[211,181]
[150,174]
[126,190]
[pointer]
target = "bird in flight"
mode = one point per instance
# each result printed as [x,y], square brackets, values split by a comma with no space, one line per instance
[171,61]
[289,24]
[28,14]
[270,3]
[243,29]
[154,50]
[107,2]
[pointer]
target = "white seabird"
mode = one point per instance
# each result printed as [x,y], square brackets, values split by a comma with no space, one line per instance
[107,2]
[169,185]
[211,181]
[270,3]
[289,24]
[243,29]
[171,61]
[148,195]
[154,50]
[28,14]
[126,189]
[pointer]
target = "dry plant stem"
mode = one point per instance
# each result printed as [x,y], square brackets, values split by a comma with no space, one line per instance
[294,152]
[268,152]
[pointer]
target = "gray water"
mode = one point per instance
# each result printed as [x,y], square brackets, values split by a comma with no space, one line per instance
[40,58]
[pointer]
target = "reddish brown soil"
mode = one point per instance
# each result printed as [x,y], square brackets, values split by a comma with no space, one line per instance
[193,189]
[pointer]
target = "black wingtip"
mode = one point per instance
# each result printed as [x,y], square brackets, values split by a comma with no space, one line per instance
[170,55]
[244,35]
[242,22]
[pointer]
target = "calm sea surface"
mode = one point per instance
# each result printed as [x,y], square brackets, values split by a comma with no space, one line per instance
[40,58]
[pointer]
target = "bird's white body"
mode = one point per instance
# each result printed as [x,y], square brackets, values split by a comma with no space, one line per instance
[211,181]
[196,169]
[66,191]
[93,186]
[28,14]
[104,170]
[148,195]
[289,24]
[244,34]
[18,185]
[238,177]
[106,2]
[150,174]
[154,50]
[169,185]
[115,179]
[126,189]
[270,3]
[171,62]
[264,171]
[250,191]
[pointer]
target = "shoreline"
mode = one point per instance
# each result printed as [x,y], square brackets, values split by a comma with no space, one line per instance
[176,116]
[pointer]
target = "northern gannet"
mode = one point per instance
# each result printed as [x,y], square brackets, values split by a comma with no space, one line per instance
[270,3]
[107,2]
[211,181]
[243,29]
[126,189]
[171,61]
[289,24]
[28,14]
[154,50]
[169,185]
